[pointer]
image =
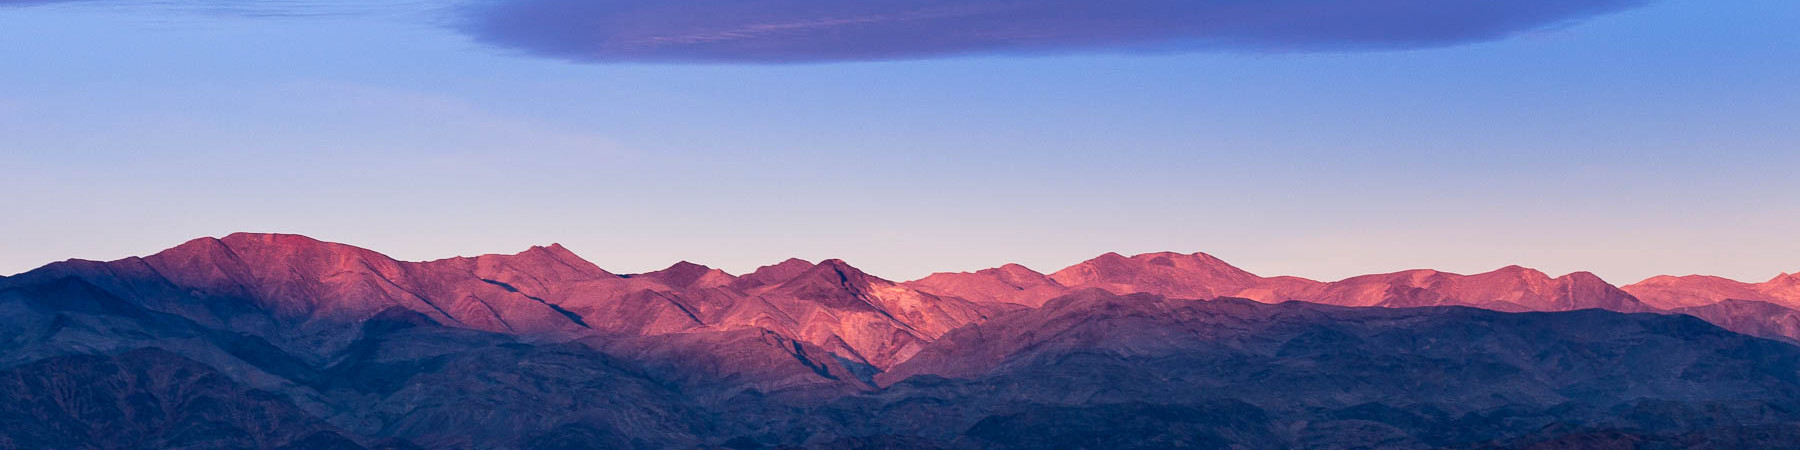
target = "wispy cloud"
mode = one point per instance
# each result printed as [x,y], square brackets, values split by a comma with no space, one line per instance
[779,31]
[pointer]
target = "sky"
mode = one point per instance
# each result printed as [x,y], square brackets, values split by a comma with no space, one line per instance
[1317,138]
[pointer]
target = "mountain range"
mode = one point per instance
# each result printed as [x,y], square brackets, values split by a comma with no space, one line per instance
[283,341]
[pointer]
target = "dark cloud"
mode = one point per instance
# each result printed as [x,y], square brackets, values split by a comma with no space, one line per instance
[774,31]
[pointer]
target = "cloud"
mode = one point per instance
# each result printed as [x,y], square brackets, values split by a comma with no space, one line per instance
[781,31]
[276,9]
[5,3]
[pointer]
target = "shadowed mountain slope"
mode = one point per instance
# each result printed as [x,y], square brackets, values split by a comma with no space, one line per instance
[148,398]
[1308,375]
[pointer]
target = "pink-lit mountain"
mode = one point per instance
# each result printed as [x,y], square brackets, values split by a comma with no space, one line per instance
[371,351]
[1202,276]
[314,293]
[1670,292]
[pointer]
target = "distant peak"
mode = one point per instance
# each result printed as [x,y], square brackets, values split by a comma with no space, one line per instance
[1195,275]
[830,279]
[1786,278]
[553,249]
[1583,276]
[1114,259]
[1158,255]
[1200,258]
[1520,271]
[681,269]
[556,255]
[269,236]
[687,274]
[842,269]
[1011,272]
[1686,279]
[773,274]
[837,269]
[1108,256]
[275,239]
[261,243]
[198,243]
[1106,260]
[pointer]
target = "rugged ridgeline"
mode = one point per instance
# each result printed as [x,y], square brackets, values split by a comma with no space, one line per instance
[270,341]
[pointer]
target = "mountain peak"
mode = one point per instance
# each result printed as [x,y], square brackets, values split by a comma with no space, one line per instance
[261,249]
[832,283]
[1510,274]
[1017,275]
[838,265]
[773,274]
[553,258]
[1583,276]
[686,274]
[1785,279]
[839,270]
[1010,283]
[245,236]
[553,250]
[831,277]
[1518,270]
[1674,292]
[1196,275]
[278,243]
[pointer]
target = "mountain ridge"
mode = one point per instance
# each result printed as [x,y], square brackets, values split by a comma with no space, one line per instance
[542,348]
[550,289]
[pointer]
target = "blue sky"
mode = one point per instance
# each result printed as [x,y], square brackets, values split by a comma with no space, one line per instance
[1630,140]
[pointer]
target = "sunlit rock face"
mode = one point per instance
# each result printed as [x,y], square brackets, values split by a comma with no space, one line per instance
[272,341]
